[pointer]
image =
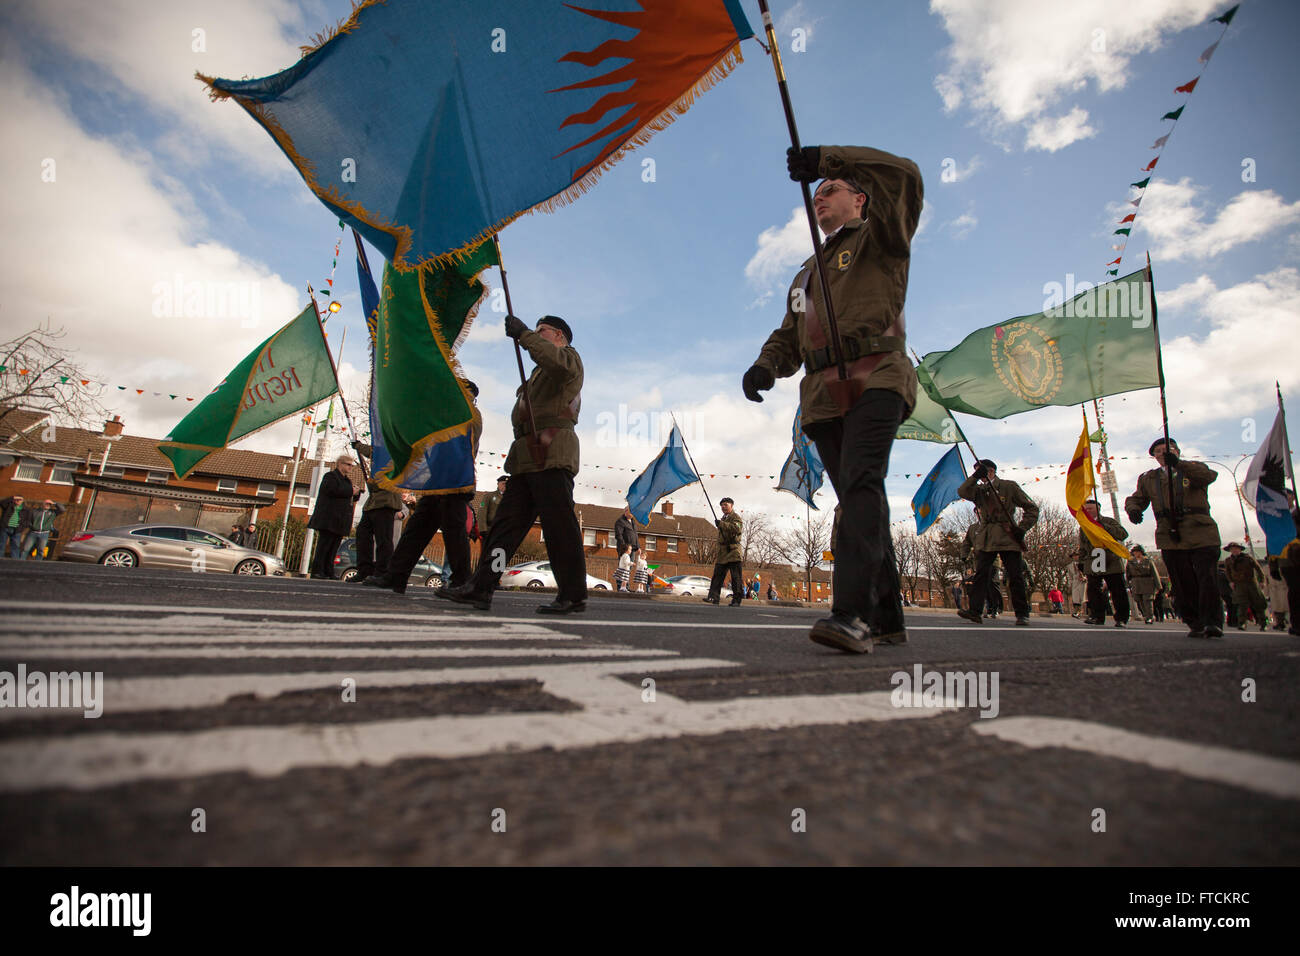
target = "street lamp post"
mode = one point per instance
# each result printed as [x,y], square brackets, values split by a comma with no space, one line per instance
[1245,527]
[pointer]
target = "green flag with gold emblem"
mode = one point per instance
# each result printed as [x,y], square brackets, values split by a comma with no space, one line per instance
[1101,342]
[422,404]
[288,372]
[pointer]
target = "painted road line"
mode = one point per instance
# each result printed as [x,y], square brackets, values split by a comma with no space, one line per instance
[89,632]
[1236,768]
[1119,669]
[155,653]
[132,694]
[613,715]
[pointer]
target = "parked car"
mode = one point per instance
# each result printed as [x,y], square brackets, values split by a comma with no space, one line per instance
[425,571]
[693,585]
[168,546]
[537,574]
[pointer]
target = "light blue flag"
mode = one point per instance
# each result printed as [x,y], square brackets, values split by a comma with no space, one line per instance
[1265,487]
[666,474]
[939,489]
[428,125]
[803,472]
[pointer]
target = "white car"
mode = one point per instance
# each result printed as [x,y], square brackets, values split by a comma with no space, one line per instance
[694,585]
[537,574]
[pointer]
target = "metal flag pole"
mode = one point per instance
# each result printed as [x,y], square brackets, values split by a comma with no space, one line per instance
[534,443]
[697,470]
[1164,407]
[293,480]
[334,368]
[831,326]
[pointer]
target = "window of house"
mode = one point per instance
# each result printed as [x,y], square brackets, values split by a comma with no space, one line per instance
[589,538]
[29,469]
[266,489]
[62,474]
[301,499]
[113,471]
[651,543]
[672,545]
[157,478]
[227,484]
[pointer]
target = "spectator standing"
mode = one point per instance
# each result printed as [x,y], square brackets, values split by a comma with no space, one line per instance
[332,519]
[624,571]
[1057,599]
[641,576]
[11,519]
[236,535]
[38,523]
[625,532]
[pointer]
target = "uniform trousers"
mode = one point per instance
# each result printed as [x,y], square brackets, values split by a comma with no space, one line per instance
[546,494]
[434,512]
[1098,584]
[1194,575]
[855,450]
[1015,572]
[720,572]
[1248,595]
[374,541]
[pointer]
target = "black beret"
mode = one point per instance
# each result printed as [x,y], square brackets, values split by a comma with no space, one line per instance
[556,322]
[726,501]
[1161,441]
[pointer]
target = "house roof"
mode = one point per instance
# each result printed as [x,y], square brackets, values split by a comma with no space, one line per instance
[131,451]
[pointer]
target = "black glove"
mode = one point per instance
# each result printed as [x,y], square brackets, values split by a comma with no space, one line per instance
[757,379]
[1171,458]
[1134,518]
[355,445]
[515,327]
[804,164]
[980,472]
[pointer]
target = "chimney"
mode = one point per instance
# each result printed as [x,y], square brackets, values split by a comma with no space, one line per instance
[114,428]
[668,508]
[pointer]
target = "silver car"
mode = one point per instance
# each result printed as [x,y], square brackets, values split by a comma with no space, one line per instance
[694,585]
[168,546]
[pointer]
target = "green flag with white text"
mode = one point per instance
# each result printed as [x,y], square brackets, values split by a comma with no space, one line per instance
[1101,342]
[288,372]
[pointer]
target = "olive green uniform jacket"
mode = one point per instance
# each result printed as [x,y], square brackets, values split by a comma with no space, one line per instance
[867,266]
[1191,479]
[1114,564]
[729,538]
[555,388]
[1142,575]
[379,497]
[993,535]
[1243,571]
[490,505]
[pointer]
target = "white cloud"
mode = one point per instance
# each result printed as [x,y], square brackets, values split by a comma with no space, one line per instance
[152,56]
[100,251]
[1053,133]
[1179,228]
[780,250]
[954,172]
[795,18]
[1011,61]
[962,226]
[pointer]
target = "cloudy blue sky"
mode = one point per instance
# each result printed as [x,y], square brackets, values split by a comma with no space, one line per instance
[1040,113]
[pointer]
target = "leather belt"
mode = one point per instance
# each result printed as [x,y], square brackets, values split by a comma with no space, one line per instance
[854,349]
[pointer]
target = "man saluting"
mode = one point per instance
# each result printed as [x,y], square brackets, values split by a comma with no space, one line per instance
[541,467]
[852,422]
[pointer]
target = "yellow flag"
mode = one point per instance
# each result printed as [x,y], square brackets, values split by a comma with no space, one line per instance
[1079,486]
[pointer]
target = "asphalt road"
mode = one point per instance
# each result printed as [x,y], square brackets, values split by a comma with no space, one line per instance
[287,721]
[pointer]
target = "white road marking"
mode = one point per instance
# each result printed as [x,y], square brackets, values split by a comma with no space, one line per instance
[156,653]
[1119,669]
[1199,660]
[89,632]
[613,712]
[1249,771]
[132,694]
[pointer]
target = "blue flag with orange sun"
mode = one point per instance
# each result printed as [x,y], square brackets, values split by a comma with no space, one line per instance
[428,125]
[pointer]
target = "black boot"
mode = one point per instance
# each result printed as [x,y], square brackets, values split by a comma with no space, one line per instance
[463,595]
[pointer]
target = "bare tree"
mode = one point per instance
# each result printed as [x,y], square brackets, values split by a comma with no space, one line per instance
[702,550]
[40,375]
[907,551]
[802,546]
[758,546]
[1048,546]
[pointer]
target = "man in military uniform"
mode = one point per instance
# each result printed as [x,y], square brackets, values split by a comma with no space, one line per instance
[1105,570]
[1002,536]
[728,560]
[1144,579]
[375,529]
[448,513]
[1187,536]
[1245,575]
[541,467]
[491,503]
[852,421]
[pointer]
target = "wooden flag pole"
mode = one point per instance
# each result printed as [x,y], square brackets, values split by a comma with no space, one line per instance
[1174,533]
[831,326]
[534,442]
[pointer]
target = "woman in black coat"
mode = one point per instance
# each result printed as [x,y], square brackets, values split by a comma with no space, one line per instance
[332,519]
